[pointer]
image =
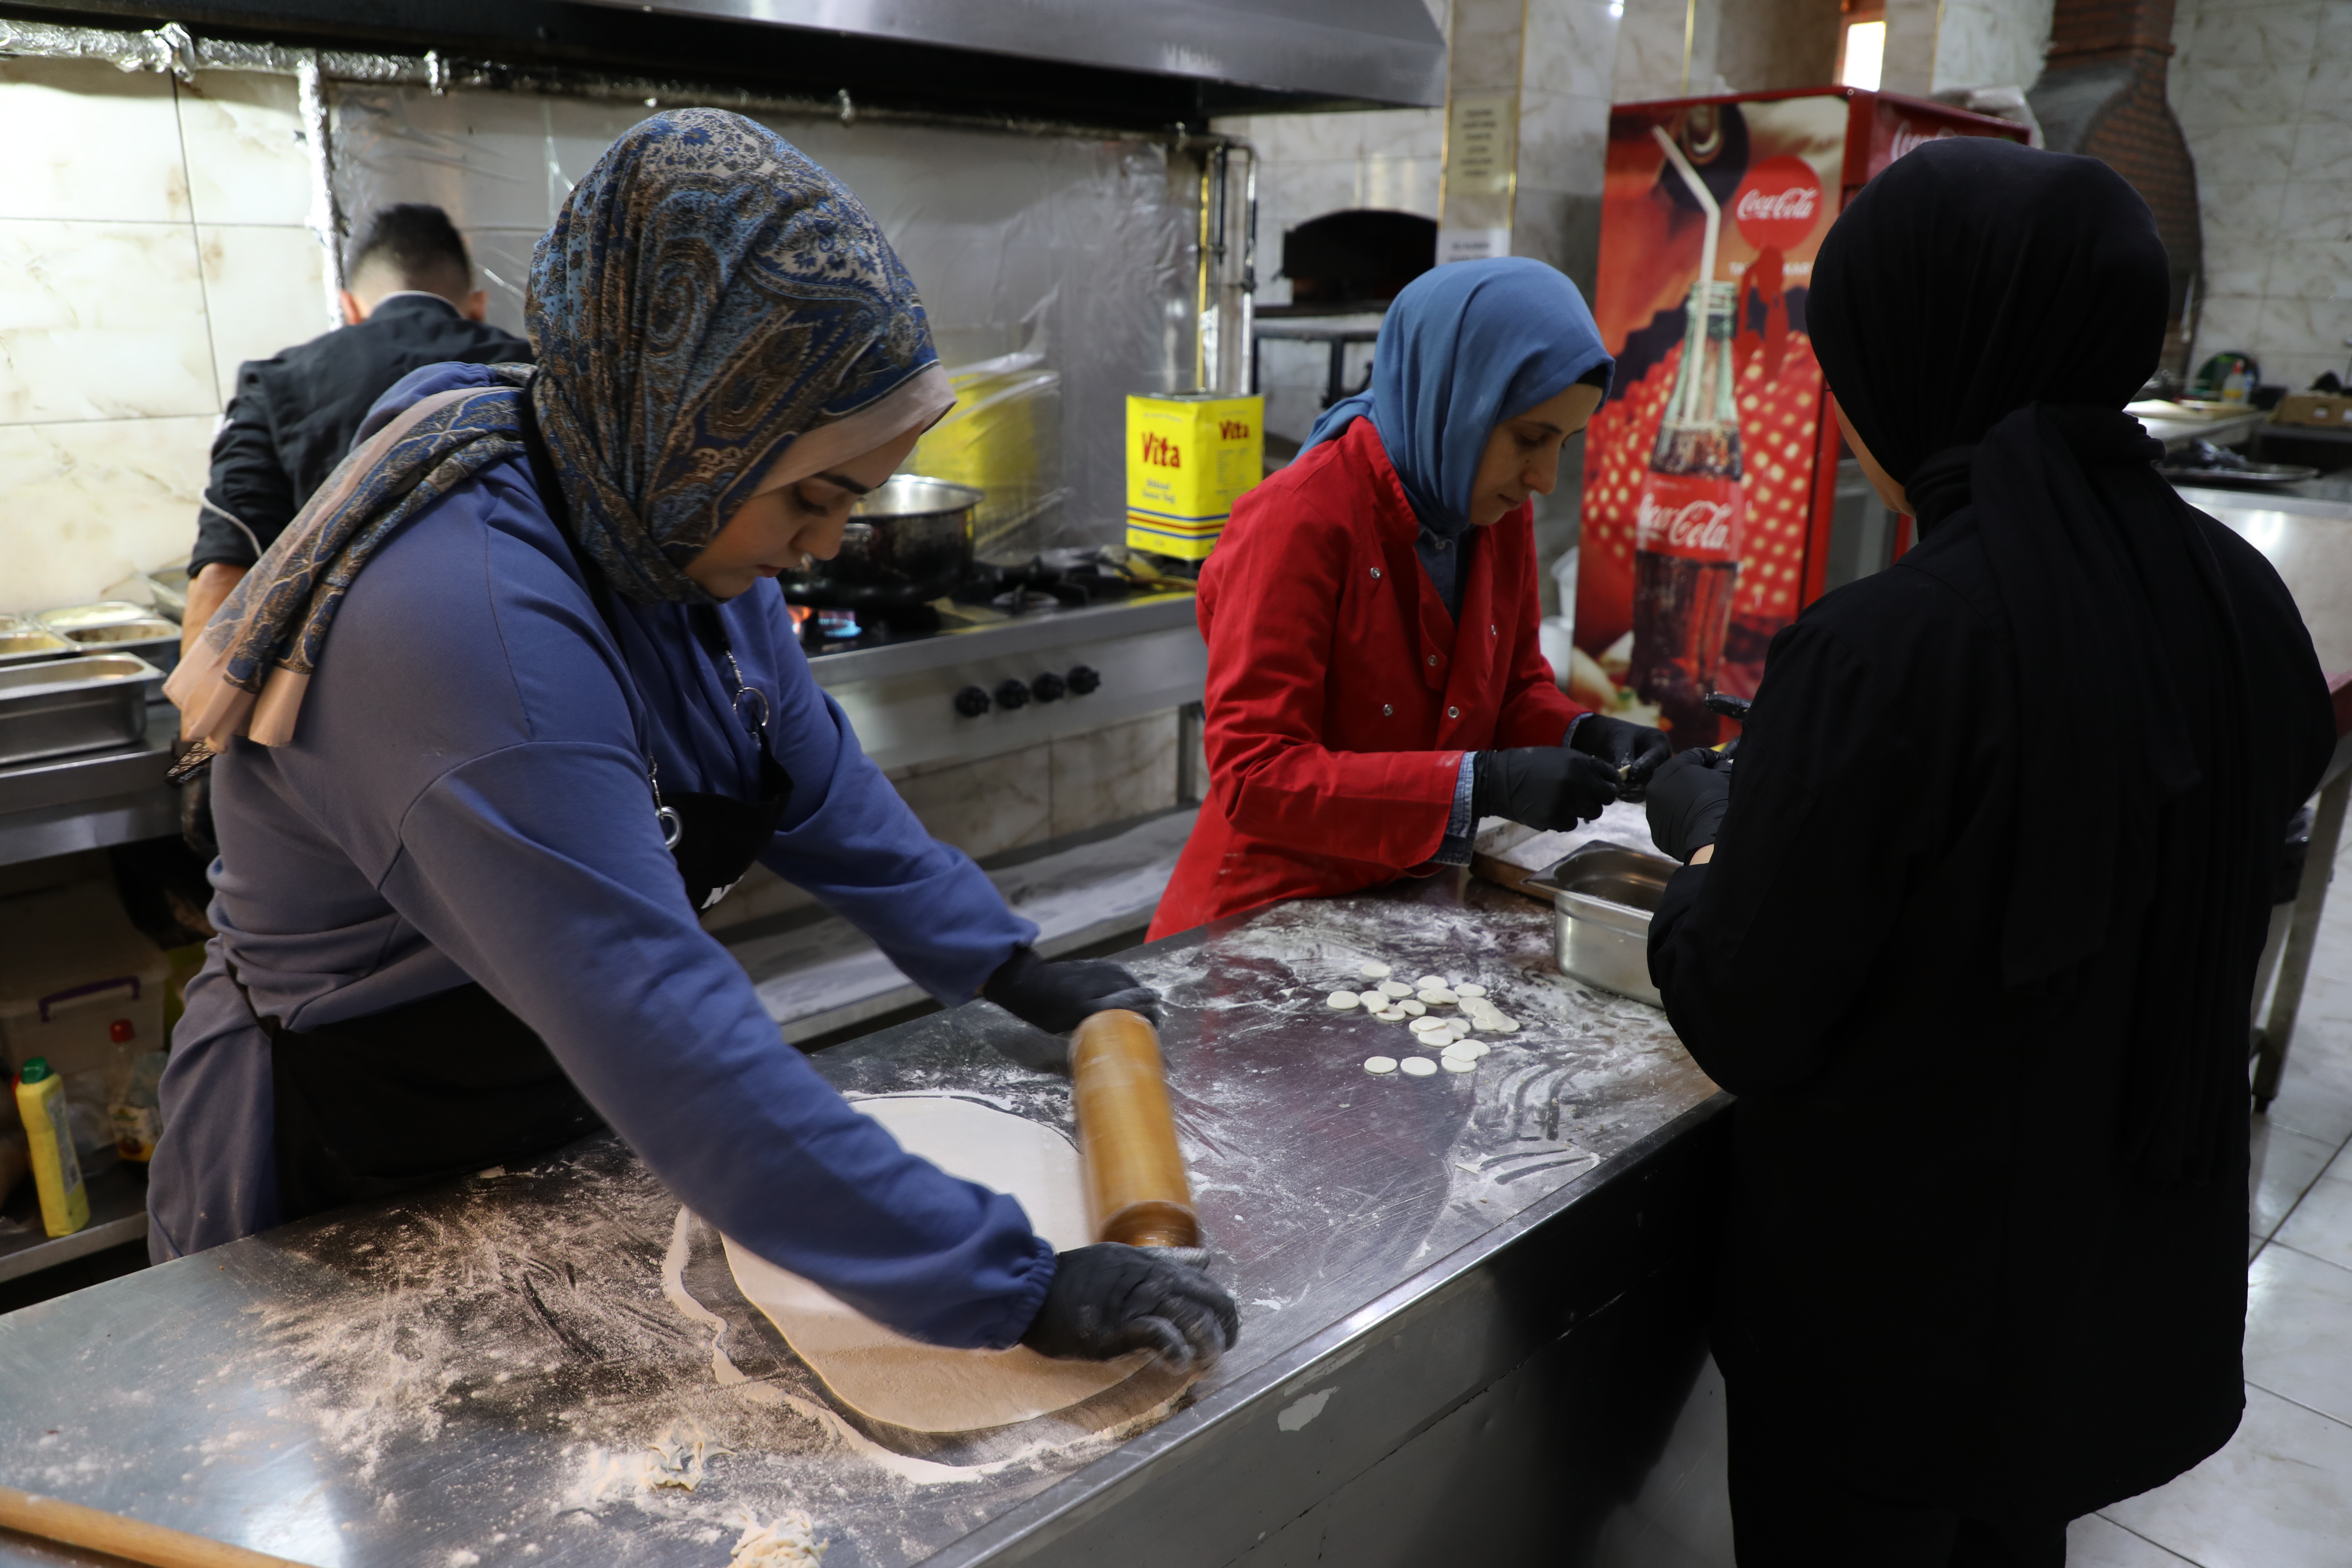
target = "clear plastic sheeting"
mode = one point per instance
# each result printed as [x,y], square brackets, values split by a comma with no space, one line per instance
[1075,257]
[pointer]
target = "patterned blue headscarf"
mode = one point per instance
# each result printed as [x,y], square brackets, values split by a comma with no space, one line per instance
[1464,347]
[712,312]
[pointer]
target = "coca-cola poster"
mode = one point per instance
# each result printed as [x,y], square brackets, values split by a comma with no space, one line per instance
[1710,470]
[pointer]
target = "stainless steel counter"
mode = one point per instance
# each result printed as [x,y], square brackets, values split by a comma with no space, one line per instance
[90,801]
[1466,1313]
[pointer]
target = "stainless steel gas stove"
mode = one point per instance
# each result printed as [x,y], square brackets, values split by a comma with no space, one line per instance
[981,678]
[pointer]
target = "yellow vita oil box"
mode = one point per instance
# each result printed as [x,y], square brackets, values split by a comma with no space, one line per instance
[1190,456]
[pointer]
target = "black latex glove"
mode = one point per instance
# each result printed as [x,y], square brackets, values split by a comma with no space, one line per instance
[196,816]
[1108,1299]
[1633,751]
[1687,799]
[1058,997]
[1542,787]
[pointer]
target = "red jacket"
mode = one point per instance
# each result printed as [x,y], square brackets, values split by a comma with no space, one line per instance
[1341,695]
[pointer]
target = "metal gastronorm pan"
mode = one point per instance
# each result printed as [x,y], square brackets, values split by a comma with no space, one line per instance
[1603,896]
[152,638]
[22,642]
[70,705]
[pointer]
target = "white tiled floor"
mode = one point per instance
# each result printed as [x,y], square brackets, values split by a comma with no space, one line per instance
[2280,1494]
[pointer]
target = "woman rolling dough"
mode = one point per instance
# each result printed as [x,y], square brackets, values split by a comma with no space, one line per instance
[1983,896]
[516,696]
[1374,684]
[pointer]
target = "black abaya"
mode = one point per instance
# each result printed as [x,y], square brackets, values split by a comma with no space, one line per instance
[1981,981]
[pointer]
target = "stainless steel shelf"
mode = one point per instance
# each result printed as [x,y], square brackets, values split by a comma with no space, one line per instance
[89,802]
[118,1212]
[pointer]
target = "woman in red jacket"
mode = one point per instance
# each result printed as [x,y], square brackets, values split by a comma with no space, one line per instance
[1374,681]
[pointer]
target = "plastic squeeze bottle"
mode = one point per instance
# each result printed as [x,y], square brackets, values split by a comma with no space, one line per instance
[57,1174]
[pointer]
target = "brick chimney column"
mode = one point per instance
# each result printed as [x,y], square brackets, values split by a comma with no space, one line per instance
[2102,93]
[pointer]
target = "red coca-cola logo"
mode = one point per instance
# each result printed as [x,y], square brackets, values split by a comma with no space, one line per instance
[1779,204]
[1681,517]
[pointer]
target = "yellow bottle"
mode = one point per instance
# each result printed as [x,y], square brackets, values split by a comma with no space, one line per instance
[41,1102]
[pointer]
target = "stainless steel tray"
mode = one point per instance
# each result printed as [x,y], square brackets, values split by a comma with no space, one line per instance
[21,642]
[105,613]
[70,705]
[1603,896]
[151,637]
[169,588]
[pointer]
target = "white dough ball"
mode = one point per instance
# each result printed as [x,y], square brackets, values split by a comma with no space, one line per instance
[1342,999]
[1380,1066]
[1396,988]
[1411,1009]
[1418,1067]
[1375,970]
[1460,1064]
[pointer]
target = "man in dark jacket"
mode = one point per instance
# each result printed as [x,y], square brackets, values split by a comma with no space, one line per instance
[411,302]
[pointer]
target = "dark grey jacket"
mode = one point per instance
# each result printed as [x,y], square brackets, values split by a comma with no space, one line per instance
[292,418]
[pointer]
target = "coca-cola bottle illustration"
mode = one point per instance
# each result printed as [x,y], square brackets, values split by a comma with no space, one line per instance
[1687,528]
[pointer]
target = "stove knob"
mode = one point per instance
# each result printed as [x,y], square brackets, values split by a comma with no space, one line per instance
[1083,680]
[1047,688]
[972,702]
[1011,694]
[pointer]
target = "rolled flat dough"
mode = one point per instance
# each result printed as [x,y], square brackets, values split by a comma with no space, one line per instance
[888,1377]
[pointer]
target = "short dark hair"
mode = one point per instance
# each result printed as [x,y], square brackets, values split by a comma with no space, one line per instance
[419,243]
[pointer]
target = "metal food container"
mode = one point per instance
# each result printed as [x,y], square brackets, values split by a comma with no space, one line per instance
[151,638]
[68,705]
[169,588]
[1603,896]
[66,619]
[22,642]
[906,542]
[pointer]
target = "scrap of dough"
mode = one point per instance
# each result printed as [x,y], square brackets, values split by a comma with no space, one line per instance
[1375,970]
[891,1378]
[1396,988]
[1459,1064]
[1342,999]
[1378,1065]
[1418,1067]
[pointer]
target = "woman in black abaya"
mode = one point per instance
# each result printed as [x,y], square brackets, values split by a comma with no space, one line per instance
[1976,921]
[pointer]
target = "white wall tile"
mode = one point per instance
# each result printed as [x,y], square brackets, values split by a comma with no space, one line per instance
[265,291]
[2242,154]
[1570,48]
[86,140]
[1400,184]
[2298,372]
[1113,773]
[2316,209]
[2306,270]
[2246,95]
[102,320]
[247,160]
[981,808]
[2246,215]
[2323,151]
[1402,133]
[2333,40]
[1649,61]
[90,503]
[2227,324]
[2258,35]
[2303,326]
[1564,143]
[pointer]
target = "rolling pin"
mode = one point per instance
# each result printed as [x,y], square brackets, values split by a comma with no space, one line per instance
[1135,1189]
[53,1518]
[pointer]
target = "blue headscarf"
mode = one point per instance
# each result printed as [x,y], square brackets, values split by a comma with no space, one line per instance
[1464,347]
[710,311]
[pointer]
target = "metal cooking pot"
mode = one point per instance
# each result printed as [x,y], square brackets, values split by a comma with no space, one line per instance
[907,543]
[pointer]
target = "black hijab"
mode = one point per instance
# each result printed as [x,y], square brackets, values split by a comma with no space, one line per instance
[1981,312]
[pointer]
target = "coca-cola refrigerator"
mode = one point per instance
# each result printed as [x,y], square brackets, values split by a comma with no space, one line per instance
[1710,471]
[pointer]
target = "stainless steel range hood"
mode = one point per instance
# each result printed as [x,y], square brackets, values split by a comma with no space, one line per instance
[1385,51]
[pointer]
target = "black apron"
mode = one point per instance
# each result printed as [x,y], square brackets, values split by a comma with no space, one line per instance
[455,1082]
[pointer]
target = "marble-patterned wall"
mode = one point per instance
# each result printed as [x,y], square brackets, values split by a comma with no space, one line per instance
[153,234]
[988,806]
[2264,93]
